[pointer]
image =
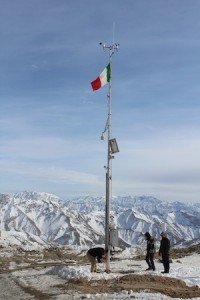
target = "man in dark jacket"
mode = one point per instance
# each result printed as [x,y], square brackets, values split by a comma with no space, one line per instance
[164,251]
[150,251]
[95,254]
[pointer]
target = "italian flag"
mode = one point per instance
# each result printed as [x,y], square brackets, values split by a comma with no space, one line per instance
[102,79]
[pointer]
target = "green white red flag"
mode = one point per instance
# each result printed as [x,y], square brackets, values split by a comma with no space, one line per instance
[102,79]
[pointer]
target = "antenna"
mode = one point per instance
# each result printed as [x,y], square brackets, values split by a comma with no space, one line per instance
[113,33]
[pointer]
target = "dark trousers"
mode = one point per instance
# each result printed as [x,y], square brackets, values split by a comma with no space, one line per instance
[165,259]
[150,260]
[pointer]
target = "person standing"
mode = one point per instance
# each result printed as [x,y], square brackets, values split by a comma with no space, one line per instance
[94,254]
[150,252]
[164,251]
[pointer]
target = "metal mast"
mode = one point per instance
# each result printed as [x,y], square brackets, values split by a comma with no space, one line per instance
[111,149]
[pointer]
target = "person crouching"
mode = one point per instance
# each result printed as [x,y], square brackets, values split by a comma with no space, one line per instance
[95,254]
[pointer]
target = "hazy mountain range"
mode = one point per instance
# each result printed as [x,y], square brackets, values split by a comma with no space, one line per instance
[47,219]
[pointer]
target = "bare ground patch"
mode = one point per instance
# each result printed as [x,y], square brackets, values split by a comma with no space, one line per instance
[22,260]
[155,284]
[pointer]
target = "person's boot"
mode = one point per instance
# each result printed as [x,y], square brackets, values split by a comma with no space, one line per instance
[164,272]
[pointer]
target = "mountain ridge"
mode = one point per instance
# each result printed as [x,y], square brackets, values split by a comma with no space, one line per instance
[81,220]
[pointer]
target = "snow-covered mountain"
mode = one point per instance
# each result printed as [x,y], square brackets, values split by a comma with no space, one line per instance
[80,221]
[136,215]
[44,215]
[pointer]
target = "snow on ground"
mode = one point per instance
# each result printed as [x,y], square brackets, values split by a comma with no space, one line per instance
[186,269]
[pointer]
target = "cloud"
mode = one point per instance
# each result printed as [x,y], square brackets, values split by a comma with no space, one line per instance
[51,121]
[159,165]
[51,174]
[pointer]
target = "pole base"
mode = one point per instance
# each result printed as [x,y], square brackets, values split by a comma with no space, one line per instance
[107,270]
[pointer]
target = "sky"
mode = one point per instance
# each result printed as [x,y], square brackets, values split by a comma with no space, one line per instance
[51,121]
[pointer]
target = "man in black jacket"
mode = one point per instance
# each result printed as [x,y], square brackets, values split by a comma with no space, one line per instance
[164,251]
[150,251]
[93,254]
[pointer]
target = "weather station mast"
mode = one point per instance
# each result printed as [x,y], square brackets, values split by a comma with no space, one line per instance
[111,235]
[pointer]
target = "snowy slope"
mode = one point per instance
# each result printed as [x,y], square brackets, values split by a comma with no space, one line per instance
[136,215]
[43,215]
[80,221]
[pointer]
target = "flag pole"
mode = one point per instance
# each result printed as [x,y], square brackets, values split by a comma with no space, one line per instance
[112,49]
